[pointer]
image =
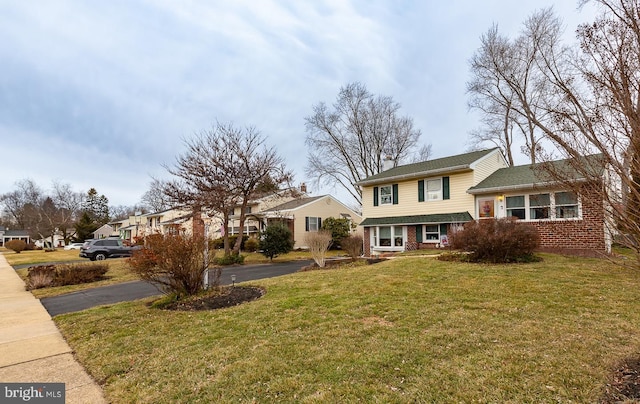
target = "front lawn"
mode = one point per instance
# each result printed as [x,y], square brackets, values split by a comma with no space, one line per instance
[40,256]
[405,330]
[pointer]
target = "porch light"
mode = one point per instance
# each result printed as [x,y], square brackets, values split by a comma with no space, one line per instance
[500,198]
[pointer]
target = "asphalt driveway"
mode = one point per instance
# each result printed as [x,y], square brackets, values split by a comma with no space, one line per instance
[128,291]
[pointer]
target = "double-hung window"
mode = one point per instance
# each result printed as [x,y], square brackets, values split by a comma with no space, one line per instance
[433,189]
[539,206]
[566,205]
[312,223]
[431,232]
[386,195]
[515,207]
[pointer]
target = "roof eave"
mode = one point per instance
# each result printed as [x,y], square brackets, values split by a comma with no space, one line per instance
[517,187]
[450,170]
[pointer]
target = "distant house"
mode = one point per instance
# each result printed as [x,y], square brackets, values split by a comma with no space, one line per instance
[103,231]
[304,215]
[8,235]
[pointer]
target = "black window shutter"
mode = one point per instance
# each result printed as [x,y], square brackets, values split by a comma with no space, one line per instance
[375,196]
[445,188]
[395,194]
[319,223]
[419,233]
[306,223]
[443,229]
[421,191]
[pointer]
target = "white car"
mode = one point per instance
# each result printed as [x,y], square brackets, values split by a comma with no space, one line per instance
[73,246]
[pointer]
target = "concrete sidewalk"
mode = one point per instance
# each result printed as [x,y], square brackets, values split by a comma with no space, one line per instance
[31,346]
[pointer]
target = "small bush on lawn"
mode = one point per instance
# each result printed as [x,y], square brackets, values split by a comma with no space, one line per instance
[497,241]
[251,245]
[42,276]
[352,245]
[275,240]
[30,247]
[318,243]
[176,262]
[16,245]
[230,259]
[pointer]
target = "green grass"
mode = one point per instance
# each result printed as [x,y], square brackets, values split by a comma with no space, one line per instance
[40,256]
[257,258]
[408,330]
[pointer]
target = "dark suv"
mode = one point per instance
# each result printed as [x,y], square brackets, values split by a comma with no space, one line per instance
[105,248]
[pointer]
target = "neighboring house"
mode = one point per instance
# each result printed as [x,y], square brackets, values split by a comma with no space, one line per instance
[418,205]
[8,235]
[304,215]
[415,206]
[103,231]
[253,222]
[164,222]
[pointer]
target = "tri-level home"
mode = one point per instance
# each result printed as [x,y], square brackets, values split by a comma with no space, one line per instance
[415,206]
[419,205]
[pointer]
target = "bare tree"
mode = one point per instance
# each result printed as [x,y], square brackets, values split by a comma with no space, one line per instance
[223,168]
[350,141]
[69,204]
[591,105]
[507,85]
[20,204]
[155,199]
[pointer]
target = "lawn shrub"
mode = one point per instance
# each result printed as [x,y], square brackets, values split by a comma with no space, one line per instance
[16,245]
[275,240]
[30,247]
[339,229]
[352,245]
[251,245]
[175,262]
[318,243]
[42,276]
[497,241]
[230,259]
[74,274]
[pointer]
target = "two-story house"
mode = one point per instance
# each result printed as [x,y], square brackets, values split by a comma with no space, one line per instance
[418,205]
[413,206]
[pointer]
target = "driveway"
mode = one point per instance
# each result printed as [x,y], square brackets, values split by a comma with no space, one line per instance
[128,291]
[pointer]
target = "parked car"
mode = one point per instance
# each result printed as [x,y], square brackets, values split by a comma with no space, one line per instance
[73,246]
[102,249]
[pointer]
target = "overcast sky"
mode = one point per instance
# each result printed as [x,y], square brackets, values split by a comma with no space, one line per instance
[102,93]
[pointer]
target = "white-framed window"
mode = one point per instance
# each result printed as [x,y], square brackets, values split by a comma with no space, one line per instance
[313,223]
[433,189]
[539,206]
[543,206]
[386,195]
[388,237]
[516,207]
[566,205]
[432,233]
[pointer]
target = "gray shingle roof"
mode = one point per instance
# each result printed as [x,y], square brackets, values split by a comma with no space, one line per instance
[528,176]
[460,217]
[441,165]
[294,203]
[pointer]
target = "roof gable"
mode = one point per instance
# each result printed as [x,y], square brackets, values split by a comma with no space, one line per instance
[460,162]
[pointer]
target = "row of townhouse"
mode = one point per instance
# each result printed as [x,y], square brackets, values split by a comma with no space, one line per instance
[419,205]
[300,213]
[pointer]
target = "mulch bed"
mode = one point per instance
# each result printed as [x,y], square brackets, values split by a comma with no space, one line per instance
[225,297]
[625,383]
